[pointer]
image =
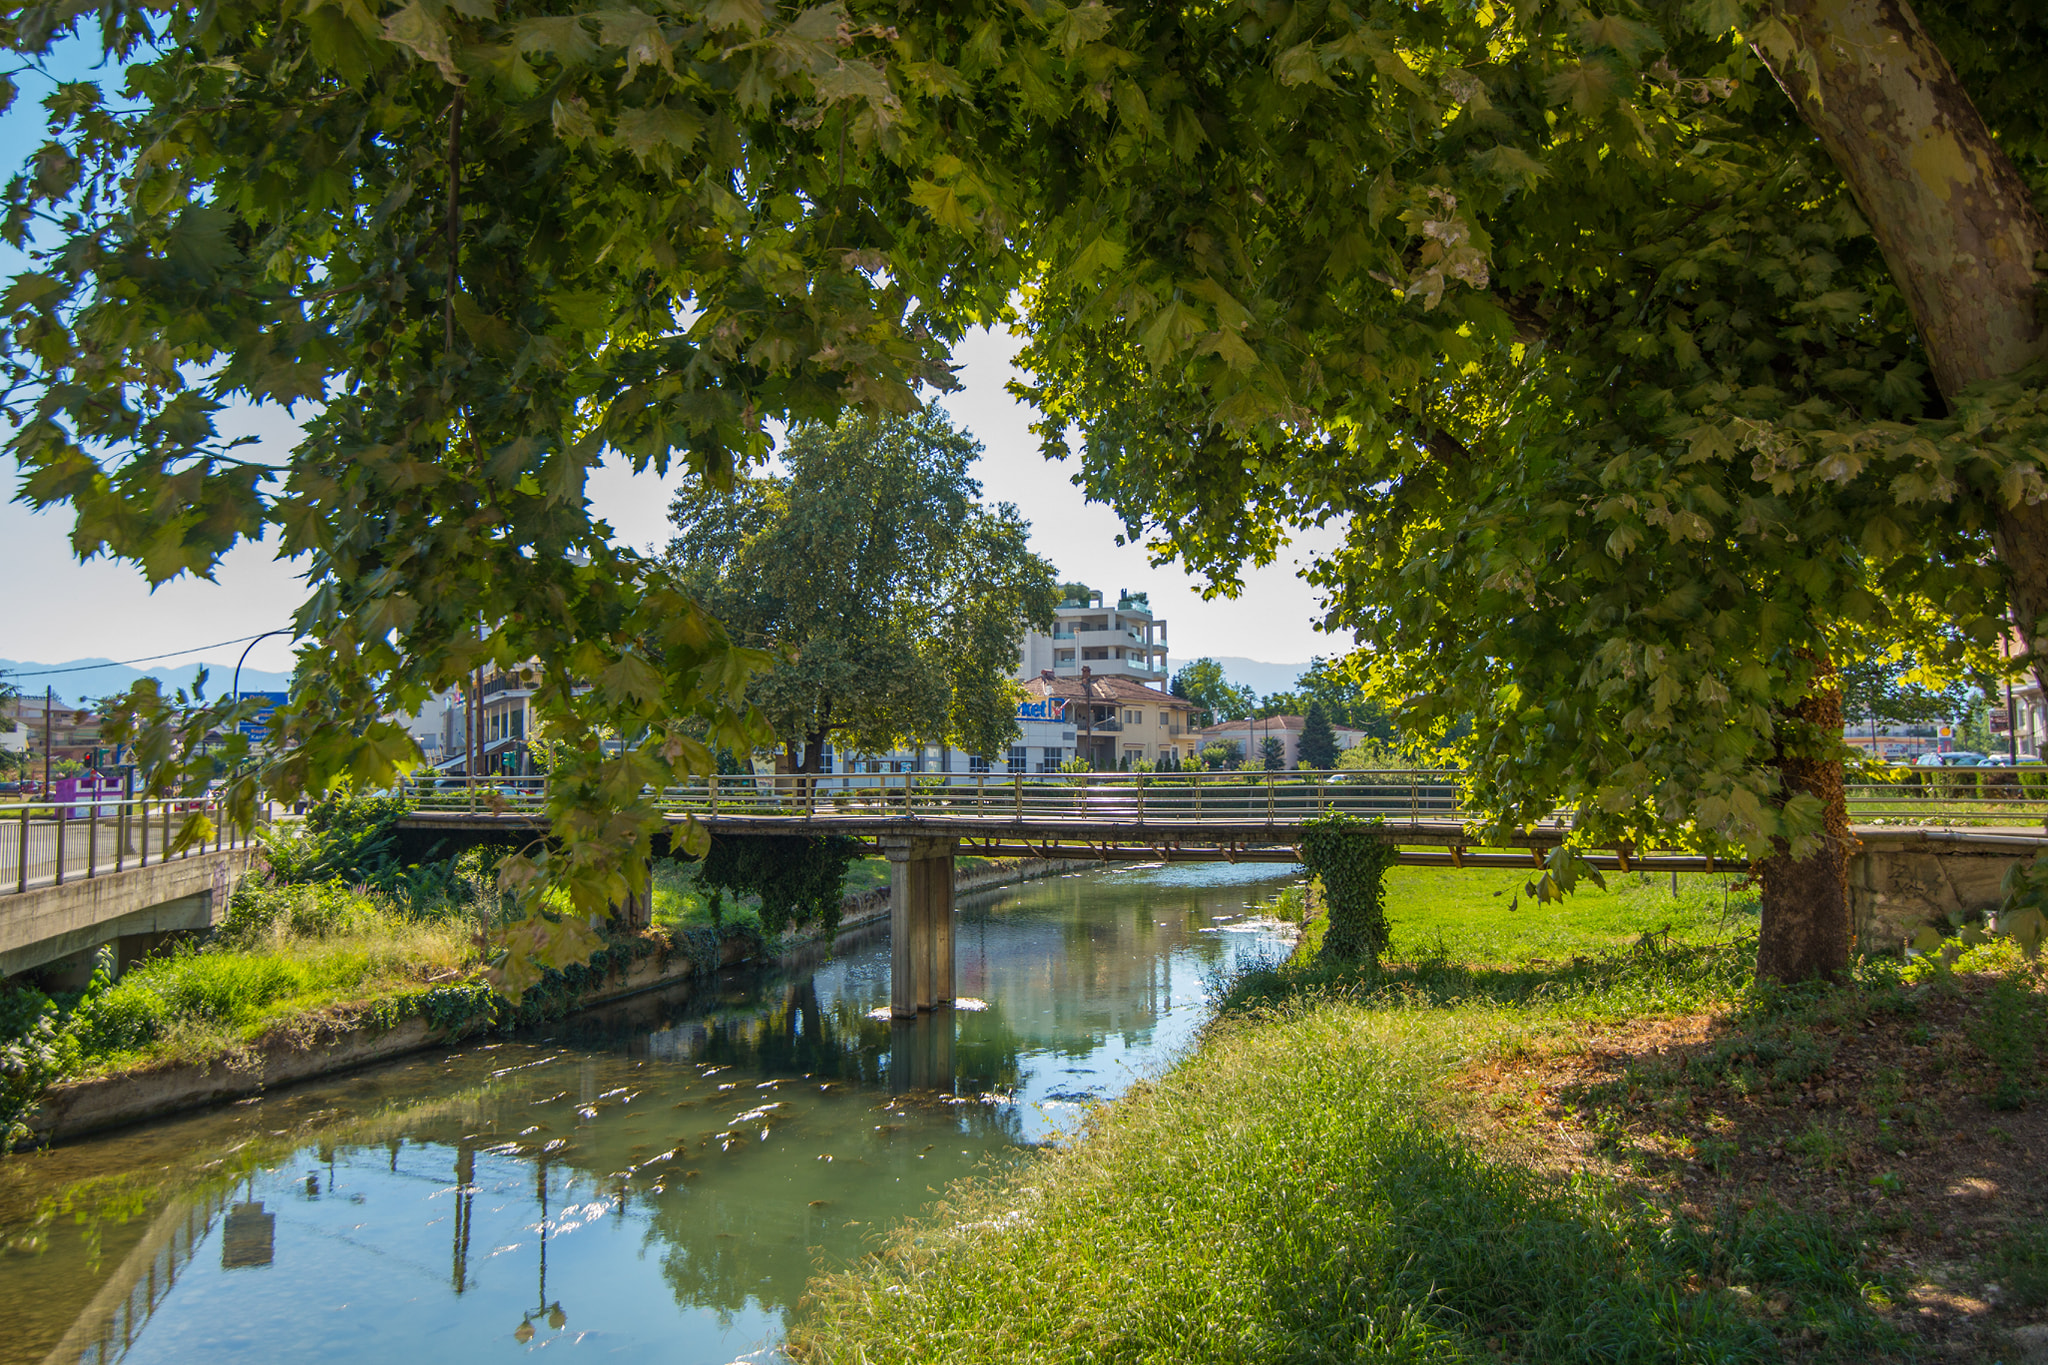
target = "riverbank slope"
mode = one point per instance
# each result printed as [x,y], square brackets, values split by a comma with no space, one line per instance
[247,1024]
[1457,1160]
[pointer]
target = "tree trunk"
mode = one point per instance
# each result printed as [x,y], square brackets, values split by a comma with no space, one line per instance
[1948,208]
[1805,933]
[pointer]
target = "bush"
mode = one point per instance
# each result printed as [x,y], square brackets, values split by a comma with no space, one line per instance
[258,910]
[348,837]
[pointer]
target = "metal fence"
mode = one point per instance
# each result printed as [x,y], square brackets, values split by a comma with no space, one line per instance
[1988,797]
[49,843]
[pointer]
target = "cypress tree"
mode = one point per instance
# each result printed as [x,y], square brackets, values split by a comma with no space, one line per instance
[1318,746]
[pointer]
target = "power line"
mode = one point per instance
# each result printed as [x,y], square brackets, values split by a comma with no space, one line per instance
[126,663]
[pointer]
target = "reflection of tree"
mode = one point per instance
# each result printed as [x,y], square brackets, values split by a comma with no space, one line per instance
[1063,967]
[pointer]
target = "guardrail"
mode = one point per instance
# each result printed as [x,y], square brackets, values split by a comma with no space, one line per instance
[49,843]
[2002,798]
[1225,798]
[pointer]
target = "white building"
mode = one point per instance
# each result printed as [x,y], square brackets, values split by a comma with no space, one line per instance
[2029,721]
[1124,641]
[437,727]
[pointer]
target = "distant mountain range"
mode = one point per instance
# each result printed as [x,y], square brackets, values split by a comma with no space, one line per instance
[1262,678]
[82,680]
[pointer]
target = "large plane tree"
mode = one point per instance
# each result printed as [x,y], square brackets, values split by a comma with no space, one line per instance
[892,599]
[1657,353]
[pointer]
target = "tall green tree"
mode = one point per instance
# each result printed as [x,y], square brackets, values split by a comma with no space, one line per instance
[1643,436]
[1882,689]
[1339,686]
[1317,748]
[1201,681]
[1646,387]
[892,601]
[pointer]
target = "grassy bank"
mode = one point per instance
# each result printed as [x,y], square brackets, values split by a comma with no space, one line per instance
[1370,1165]
[331,931]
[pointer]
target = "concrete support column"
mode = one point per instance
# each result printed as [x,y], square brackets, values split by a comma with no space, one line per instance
[920,923]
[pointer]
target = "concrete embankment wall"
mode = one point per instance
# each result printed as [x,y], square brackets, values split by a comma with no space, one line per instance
[312,1048]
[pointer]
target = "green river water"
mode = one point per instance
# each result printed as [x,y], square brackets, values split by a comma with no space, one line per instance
[651,1182]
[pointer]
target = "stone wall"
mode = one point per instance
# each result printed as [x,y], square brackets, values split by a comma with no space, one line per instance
[1899,882]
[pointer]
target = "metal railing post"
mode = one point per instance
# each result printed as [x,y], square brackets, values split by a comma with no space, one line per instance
[163,844]
[1269,798]
[121,836]
[21,872]
[1139,782]
[92,844]
[1017,782]
[58,812]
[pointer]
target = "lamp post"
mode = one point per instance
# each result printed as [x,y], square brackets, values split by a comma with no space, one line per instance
[236,686]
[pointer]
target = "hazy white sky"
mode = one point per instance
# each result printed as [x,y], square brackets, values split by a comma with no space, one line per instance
[54,608]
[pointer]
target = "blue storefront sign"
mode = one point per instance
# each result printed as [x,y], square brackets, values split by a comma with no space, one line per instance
[1052,708]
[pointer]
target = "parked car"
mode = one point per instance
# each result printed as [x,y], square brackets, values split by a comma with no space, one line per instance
[1960,758]
[1998,761]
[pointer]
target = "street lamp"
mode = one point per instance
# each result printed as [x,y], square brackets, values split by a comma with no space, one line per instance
[236,687]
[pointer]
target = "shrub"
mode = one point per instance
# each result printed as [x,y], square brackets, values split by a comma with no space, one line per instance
[350,837]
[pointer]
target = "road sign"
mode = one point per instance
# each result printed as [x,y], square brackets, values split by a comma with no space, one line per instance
[257,727]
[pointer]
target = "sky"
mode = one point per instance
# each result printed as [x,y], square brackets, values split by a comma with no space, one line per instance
[54,608]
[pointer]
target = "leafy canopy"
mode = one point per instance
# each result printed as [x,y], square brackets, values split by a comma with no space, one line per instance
[1201,681]
[893,600]
[1557,307]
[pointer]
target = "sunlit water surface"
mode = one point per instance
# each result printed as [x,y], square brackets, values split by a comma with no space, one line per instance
[653,1182]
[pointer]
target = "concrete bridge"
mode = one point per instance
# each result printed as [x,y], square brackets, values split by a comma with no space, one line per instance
[1920,856]
[75,877]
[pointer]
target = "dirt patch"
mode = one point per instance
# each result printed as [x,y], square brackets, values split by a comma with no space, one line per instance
[1914,1117]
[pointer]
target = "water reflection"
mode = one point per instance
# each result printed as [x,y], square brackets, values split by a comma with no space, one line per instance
[657,1182]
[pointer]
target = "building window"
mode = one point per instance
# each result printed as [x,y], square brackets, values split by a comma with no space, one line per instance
[1018,758]
[978,763]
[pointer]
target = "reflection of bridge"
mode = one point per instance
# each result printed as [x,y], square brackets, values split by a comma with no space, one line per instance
[921,822]
[108,1327]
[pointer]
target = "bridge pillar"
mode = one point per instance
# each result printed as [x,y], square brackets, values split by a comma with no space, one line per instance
[920,923]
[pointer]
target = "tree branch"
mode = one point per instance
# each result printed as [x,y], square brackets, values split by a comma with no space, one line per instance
[454,221]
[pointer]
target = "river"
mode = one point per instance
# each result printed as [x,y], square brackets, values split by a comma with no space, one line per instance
[651,1182]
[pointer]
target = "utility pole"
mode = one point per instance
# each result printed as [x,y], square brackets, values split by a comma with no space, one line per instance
[2012,726]
[49,700]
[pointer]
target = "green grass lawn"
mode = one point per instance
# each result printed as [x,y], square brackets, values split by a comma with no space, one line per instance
[1475,915]
[1300,1189]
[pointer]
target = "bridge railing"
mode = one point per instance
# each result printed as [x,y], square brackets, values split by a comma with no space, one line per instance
[49,843]
[1206,797]
[1965,797]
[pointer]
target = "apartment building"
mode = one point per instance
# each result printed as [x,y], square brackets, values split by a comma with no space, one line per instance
[1124,641]
[1116,717]
[502,702]
[33,721]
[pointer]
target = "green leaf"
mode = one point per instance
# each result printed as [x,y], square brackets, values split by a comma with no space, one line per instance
[1299,65]
[648,132]
[945,207]
[562,37]
[420,33]
[1589,87]
[1626,36]
[198,241]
